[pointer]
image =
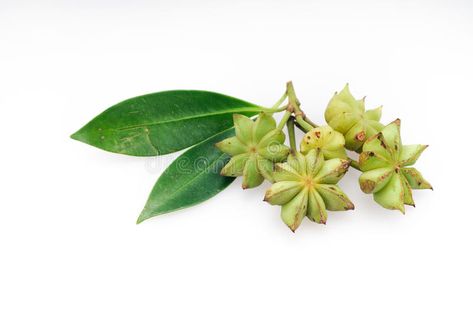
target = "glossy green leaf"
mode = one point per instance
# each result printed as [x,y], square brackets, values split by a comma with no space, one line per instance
[162,123]
[191,179]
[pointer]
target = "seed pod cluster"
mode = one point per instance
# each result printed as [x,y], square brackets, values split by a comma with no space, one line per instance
[305,181]
[254,149]
[306,186]
[387,174]
[348,116]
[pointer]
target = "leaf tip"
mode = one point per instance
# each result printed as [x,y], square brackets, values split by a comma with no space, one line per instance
[142,217]
[75,136]
[79,136]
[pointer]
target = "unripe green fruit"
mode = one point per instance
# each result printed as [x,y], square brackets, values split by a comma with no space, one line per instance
[384,162]
[330,142]
[255,147]
[306,186]
[347,115]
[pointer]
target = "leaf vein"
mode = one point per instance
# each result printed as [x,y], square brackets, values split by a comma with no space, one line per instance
[191,180]
[239,110]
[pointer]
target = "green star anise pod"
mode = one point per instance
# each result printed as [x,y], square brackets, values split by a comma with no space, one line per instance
[254,149]
[347,115]
[386,173]
[329,141]
[306,186]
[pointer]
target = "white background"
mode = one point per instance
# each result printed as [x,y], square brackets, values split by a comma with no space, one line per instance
[68,239]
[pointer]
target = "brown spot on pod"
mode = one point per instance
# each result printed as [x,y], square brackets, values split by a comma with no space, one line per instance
[360,136]
[367,186]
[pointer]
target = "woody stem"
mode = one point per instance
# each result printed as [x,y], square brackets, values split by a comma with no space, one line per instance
[294,104]
[354,164]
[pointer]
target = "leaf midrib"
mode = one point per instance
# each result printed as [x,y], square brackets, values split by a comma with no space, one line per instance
[238,110]
[190,181]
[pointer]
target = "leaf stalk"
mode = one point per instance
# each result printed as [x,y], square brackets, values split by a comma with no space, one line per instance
[291,133]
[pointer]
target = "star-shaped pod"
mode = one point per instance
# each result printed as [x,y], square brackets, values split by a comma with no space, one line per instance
[306,186]
[386,173]
[330,142]
[254,149]
[347,115]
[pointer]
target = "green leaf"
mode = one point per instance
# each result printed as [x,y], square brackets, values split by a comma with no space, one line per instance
[191,179]
[162,123]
